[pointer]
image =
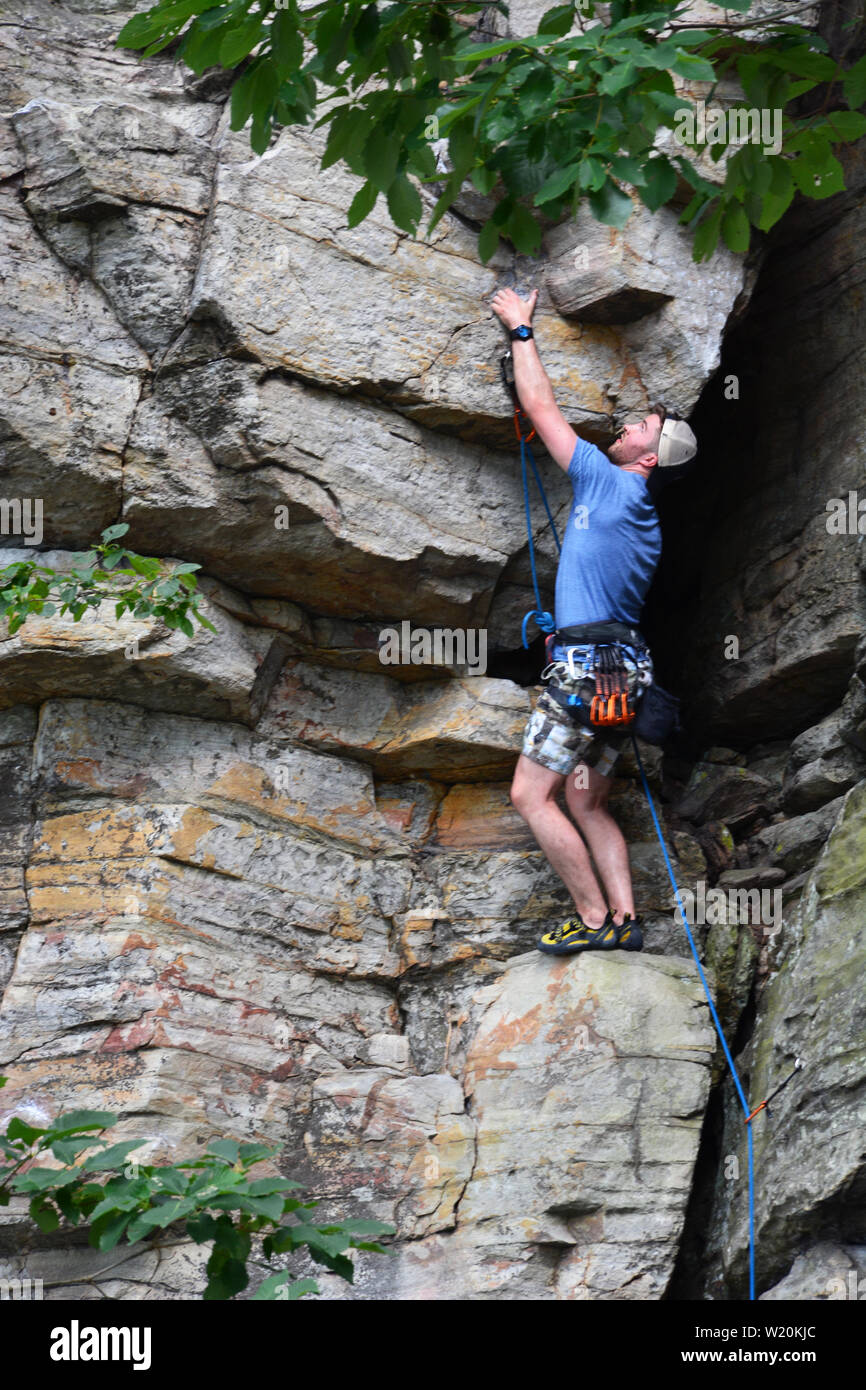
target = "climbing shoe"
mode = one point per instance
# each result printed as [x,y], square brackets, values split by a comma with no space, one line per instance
[630,934]
[575,935]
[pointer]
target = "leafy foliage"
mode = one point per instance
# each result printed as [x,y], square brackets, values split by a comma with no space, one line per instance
[211,1200]
[143,586]
[572,112]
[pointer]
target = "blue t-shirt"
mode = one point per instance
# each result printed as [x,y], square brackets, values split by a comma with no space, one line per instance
[612,544]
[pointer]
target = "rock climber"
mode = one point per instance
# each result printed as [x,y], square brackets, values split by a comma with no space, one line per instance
[611,548]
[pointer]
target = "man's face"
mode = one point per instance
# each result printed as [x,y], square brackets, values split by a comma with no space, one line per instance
[635,440]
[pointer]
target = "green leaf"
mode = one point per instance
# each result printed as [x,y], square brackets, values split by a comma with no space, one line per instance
[363,203]
[779,195]
[522,230]
[591,173]
[200,47]
[67,1150]
[381,153]
[622,75]
[111,533]
[255,1153]
[804,62]
[446,198]
[280,1286]
[141,30]
[556,21]
[477,53]
[260,135]
[225,1148]
[366,28]
[707,235]
[557,184]
[735,227]
[240,40]
[628,169]
[18,1129]
[231,1278]
[461,146]
[661,183]
[484,179]
[854,84]
[844,125]
[44,1213]
[364,1226]
[488,240]
[610,205]
[404,204]
[112,1157]
[201,1228]
[106,1233]
[693,68]
[817,172]
[287,44]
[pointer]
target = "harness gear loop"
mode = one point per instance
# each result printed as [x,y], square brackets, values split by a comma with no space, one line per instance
[611,704]
[540,616]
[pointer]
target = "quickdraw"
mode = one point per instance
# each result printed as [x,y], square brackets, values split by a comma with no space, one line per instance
[611,704]
[765,1104]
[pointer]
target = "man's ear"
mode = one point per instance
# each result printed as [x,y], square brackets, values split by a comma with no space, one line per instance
[649,460]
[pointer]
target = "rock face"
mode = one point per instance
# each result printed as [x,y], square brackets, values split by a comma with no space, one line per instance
[809,1151]
[259,883]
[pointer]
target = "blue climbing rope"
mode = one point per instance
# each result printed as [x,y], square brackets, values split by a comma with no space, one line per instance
[718,1026]
[540,616]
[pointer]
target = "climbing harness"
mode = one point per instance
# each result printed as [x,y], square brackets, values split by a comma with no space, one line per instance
[611,706]
[765,1105]
[539,615]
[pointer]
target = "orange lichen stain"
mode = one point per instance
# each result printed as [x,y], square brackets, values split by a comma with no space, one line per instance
[194,825]
[136,942]
[280,1073]
[80,770]
[348,931]
[464,951]
[247,1010]
[396,816]
[508,1033]
[127,1039]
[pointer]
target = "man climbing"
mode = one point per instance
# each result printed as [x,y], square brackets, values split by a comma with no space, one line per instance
[610,551]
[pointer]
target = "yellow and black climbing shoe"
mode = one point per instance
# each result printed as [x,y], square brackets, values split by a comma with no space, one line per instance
[630,934]
[575,935]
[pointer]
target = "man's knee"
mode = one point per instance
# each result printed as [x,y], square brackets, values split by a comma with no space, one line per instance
[587,791]
[532,787]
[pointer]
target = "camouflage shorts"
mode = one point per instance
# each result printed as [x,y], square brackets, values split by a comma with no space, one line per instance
[557,740]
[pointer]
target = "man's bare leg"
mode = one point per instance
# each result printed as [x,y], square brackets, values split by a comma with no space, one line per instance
[532,792]
[588,804]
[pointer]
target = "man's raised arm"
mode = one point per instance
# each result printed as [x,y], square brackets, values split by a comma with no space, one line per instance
[531,380]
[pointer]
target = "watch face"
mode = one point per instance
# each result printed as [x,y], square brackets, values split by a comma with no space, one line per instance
[523,331]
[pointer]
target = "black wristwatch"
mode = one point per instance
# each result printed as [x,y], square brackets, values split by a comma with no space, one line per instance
[523,331]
